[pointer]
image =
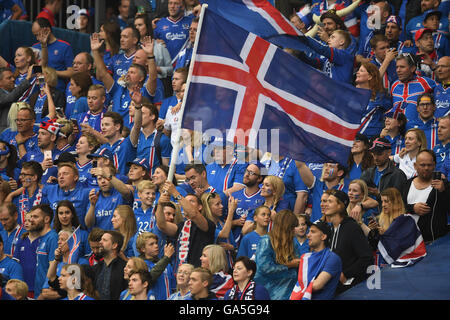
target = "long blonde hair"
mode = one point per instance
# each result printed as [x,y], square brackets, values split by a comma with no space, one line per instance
[282,236]
[365,192]
[277,187]
[128,227]
[398,207]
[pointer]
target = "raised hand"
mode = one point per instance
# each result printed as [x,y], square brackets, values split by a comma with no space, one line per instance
[96,42]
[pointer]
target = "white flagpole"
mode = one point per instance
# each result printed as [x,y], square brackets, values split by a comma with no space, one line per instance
[176,147]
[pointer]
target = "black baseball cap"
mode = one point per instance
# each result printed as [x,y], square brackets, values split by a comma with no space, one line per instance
[325,228]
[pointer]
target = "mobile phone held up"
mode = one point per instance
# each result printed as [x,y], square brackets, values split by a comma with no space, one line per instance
[37,69]
[437,175]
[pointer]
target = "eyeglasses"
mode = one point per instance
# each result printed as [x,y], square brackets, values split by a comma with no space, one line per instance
[22,120]
[426,104]
[251,173]
[26,175]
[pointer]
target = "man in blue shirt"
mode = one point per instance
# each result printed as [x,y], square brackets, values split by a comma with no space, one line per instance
[46,152]
[41,217]
[249,198]
[426,121]
[129,39]
[68,188]
[58,53]
[9,268]
[442,91]
[12,231]
[121,148]
[442,150]
[104,201]
[90,121]
[328,273]
[174,29]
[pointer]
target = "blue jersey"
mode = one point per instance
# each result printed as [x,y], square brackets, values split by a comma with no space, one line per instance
[123,152]
[397,143]
[60,57]
[429,127]
[223,177]
[416,23]
[184,58]
[333,266]
[26,254]
[442,100]
[286,169]
[10,269]
[404,95]
[75,106]
[248,245]
[34,87]
[336,63]
[39,105]
[442,154]
[121,99]
[165,106]
[44,254]
[119,64]
[84,173]
[94,120]
[79,197]
[373,120]
[37,155]
[165,284]
[175,33]
[104,209]
[10,240]
[147,150]
[390,76]
[246,203]
[10,137]
[145,220]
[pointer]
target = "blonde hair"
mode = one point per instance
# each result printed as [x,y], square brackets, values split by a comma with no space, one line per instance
[139,264]
[277,187]
[206,197]
[142,239]
[66,127]
[364,190]
[420,135]
[14,110]
[146,184]
[20,286]
[217,258]
[128,227]
[51,78]
[398,207]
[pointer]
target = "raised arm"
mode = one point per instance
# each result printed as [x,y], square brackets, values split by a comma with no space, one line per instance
[306,173]
[101,70]
[148,46]
[168,228]
[225,232]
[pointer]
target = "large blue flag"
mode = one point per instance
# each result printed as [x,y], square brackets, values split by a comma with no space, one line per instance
[260,18]
[240,82]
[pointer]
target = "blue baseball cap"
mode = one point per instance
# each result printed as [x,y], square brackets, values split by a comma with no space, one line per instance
[142,162]
[102,153]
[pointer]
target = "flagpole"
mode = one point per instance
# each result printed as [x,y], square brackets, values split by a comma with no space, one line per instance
[176,147]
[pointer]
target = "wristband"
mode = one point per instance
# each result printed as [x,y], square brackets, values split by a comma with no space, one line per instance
[150,57]
[58,259]
[138,108]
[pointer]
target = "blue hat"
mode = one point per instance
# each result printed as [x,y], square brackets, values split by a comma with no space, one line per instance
[432,12]
[139,162]
[102,153]
[305,14]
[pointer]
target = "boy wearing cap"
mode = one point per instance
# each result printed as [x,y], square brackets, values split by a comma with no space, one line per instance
[326,273]
[431,21]
[426,53]
[384,173]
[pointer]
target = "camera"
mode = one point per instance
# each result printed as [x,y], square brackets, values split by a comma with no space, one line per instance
[437,175]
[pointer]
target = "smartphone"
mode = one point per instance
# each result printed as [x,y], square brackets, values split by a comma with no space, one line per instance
[437,175]
[75,122]
[37,69]
[94,164]
[48,154]
[41,81]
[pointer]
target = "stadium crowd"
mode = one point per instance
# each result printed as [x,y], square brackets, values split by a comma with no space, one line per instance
[86,207]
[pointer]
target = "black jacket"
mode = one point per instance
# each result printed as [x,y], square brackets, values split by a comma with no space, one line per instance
[434,224]
[393,177]
[350,243]
[117,282]
[7,98]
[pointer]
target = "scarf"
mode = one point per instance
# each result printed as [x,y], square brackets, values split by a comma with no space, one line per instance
[247,294]
[183,241]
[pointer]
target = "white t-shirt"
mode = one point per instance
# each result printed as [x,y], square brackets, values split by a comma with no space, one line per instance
[172,123]
[415,195]
[406,164]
